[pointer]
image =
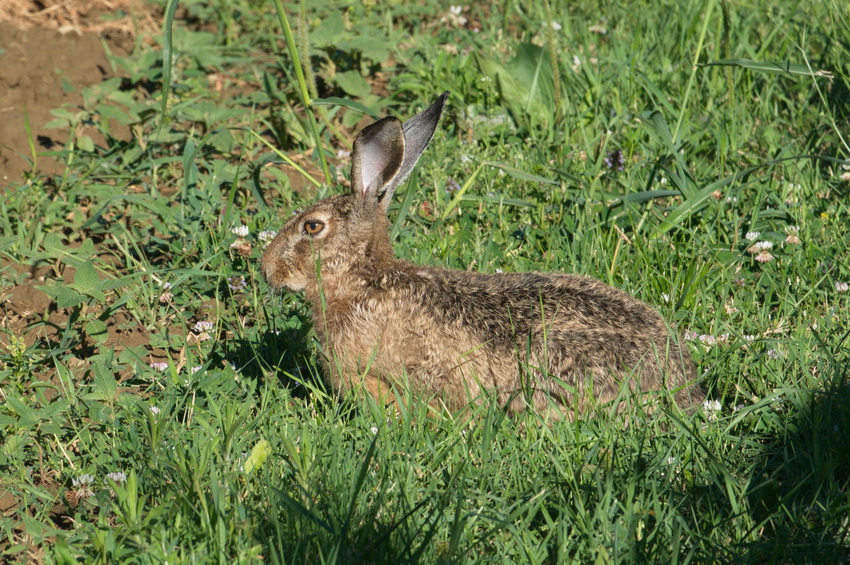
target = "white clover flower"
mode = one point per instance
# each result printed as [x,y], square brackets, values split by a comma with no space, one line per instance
[454,16]
[665,297]
[83,480]
[764,257]
[772,354]
[154,410]
[241,230]
[752,235]
[760,246]
[711,409]
[712,405]
[159,366]
[83,485]
[793,235]
[749,337]
[117,476]
[266,235]
[691,336]
[374,429]
[165,285]
[194,370]
[708,339]
[841,287]
[555,26]
[202,326]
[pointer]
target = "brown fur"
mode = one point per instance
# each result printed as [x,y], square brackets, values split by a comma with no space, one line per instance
[556,341]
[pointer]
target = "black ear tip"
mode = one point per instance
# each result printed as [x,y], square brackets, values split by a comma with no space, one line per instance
[436,108]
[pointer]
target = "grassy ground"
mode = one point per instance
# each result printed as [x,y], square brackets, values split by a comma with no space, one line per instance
[159,404]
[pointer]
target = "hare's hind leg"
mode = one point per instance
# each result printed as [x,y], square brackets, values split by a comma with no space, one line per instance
[379,390]
[370,384]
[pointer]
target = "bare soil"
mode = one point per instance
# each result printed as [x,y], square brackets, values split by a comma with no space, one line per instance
[49,51]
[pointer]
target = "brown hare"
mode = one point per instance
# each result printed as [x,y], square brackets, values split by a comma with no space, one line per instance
[555,341]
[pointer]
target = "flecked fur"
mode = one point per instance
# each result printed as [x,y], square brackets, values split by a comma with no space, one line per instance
[559,342]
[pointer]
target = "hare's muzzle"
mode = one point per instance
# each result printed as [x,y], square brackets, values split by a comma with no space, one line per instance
[279,272]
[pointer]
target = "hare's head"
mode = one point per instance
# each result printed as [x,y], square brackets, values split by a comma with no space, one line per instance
[343,233]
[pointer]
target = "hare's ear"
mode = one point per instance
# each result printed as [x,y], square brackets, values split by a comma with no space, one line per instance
[377,157]
[386,151]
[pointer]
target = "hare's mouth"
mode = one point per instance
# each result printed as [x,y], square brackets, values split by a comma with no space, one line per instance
[292,284]
[280,276]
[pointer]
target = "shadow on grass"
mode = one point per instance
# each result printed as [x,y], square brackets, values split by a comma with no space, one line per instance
[801,492]
[285,355]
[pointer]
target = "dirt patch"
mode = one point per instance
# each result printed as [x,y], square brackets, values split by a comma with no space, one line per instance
[41,70]
[23,304]
[50,51]
[81,16]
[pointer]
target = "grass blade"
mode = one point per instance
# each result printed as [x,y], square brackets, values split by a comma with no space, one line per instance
[783,67]
[346,103]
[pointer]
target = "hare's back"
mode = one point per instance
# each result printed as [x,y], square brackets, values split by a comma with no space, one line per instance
[510,304]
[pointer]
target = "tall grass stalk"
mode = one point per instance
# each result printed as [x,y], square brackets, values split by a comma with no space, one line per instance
[302,88]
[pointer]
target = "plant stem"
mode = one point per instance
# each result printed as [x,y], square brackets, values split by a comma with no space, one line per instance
[302,86]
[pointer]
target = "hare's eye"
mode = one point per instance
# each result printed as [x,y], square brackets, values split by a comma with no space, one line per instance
[313,227]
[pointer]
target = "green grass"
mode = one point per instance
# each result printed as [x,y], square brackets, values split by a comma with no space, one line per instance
[250,458]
